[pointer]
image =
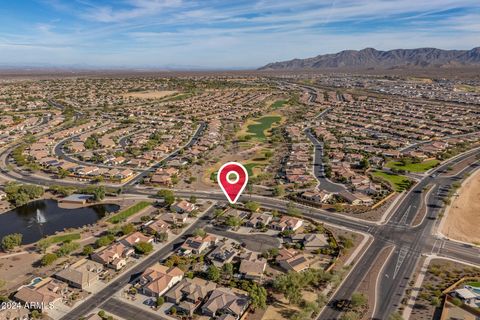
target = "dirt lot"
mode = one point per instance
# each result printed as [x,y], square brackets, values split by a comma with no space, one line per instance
[462,218]
[149,94]
[17,269]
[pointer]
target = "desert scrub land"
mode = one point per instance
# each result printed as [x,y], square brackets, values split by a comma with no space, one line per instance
[440,275]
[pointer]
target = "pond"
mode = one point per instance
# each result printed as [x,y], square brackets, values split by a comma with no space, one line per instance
[43,218]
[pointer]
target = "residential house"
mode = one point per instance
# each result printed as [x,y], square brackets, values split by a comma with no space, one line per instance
[174,218]
[315,241]
[253,267]
[198,244]
[287,223]
[44,293]
[316,195]
[258,220]
[135,238]
[292,260]
[188,294]
[155,227]
[158,279]
[226,301]
[469,295]
[223,253]
[82,274]
[356,198]
[114,256]
[183,206]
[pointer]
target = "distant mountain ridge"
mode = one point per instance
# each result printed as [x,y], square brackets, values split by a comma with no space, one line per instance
[371,58]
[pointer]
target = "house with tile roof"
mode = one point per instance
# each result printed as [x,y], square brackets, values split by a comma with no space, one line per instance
[158,279]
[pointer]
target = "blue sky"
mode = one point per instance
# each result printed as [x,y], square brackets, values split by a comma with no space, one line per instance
[223,33]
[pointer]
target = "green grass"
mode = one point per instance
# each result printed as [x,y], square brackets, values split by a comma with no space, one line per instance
[473,284]
[47,242]
[413,167]
[130,211]
[65,237]
[398,183]
[278,104]
[264,123]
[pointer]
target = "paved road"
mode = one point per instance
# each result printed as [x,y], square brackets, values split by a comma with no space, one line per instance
[98,299]
[128,311]
[318,168]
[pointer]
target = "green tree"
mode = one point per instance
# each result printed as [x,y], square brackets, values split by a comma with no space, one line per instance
[11,241]
[144,247]
[173,310]
[128,228]
[258,296]
[233,221]
[104,241]
[193,199]
[167,195]
[48,259]
[279,191]
[435,301]
[160,301]
[217,213]
[252,206]
[213,273]
[87,250]
[457,302]
[67,248]
[358,300]
[161,236]
[199,233]
[227,270]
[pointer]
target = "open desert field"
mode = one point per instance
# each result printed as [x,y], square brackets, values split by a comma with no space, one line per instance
[150,94]
[463,216]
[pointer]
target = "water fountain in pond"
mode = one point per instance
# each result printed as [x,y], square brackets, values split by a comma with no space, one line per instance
[40,217]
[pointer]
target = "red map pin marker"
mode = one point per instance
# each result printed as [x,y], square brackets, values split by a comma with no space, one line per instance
[232,179]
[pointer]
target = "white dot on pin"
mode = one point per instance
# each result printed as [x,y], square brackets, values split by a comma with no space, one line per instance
[232,177]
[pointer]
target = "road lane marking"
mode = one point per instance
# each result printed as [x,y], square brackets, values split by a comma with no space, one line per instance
[401,257]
